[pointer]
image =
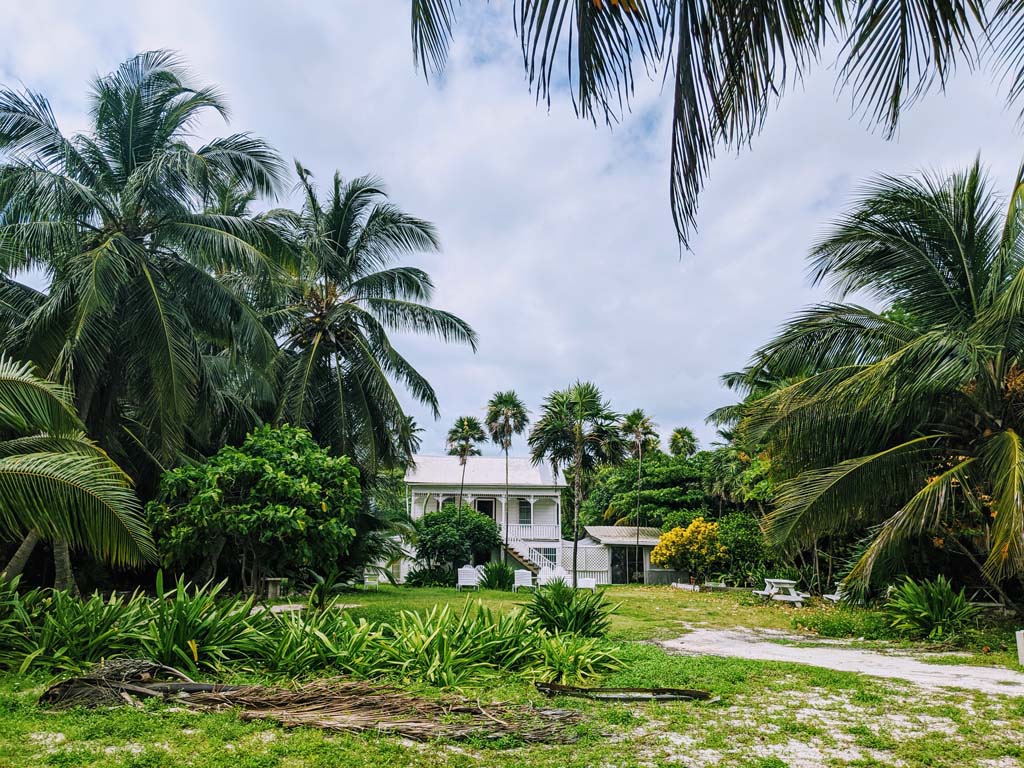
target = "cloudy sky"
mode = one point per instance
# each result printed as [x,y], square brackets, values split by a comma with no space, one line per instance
[558,244]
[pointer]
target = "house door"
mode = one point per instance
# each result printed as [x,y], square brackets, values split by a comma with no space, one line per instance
[486,507]
[626,568]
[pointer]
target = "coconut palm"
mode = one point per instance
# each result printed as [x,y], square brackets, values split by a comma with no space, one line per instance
[577,431]
[729,63]
[336,313]
[115,216]
[912,422]
[464,440]
[682,442]
[641,434]
[57,485]
[506,417]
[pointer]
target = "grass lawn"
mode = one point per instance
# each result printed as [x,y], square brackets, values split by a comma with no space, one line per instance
[768,715]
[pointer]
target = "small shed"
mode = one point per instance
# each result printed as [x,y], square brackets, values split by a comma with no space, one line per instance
[626,565]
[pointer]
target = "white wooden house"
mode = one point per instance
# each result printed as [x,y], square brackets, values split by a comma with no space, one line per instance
[529,519]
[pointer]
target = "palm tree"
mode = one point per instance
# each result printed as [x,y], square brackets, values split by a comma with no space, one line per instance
[57,485]
[115,217]
[335,315]
[577,430]
[917,408]
[730,63]
[682,442]
[506,417]
[464,440]
[640,432]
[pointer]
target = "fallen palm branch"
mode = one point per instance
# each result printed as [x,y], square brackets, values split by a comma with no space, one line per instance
[335,705]
[623,694]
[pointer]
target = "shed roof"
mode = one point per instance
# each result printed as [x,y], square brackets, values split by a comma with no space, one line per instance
[481,471]
[622,535]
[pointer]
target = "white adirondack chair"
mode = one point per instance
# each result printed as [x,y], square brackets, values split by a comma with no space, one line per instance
[586,582]
[523,578]
[371,579]
[548,575]
[468,577]
[836,596]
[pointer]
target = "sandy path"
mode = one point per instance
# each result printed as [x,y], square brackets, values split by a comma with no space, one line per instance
[747,644]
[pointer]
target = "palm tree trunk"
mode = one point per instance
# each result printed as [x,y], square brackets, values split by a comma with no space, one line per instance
[63,574]
[16,565]
[639,465]
[577,489]
[504,552]
[462,484]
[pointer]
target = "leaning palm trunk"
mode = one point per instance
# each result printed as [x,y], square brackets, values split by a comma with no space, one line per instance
[16,565]
[63,574]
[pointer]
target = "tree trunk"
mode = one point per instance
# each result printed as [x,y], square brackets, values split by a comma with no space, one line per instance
[577,489]
[504,552]
[207,569]
[16,565]
[63,574]
[639,481]
[462,485]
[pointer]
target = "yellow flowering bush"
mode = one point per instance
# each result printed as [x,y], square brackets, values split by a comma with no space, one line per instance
[695,548]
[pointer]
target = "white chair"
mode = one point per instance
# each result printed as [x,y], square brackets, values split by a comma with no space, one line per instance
[371,579]
[523,578]
[548,575]
[584,582]
[468,577]
[836,596]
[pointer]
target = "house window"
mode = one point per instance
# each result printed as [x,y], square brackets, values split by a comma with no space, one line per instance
[525,512]
[485,507]
[446,501]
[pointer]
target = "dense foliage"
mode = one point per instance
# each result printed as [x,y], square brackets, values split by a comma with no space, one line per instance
[196,628]
[497,575]
[930,609]
[275,506]
[451,537]
[558,608]
[696,549]
[905,425]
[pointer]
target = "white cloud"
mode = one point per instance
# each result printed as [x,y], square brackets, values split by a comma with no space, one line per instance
[559,246]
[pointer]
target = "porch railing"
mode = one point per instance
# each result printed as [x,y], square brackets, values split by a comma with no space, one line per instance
[518,532]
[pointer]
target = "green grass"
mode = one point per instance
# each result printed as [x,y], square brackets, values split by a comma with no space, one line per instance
[765,715]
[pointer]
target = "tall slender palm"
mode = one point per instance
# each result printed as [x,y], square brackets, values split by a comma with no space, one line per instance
[918,408]
[336,313]
[729,63]
[506,417]
[640,433]
[464,440]
[682,442]
[116,218]
[56,484]
[577,430]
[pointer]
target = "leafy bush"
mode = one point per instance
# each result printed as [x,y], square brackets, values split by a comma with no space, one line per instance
[558,608]
[451,537]
[696,549]
[746,552]
[192,628]
[930,609]
[431,576]
[299,645]
[277,506]
[498,575]
[571,658]
[843,621]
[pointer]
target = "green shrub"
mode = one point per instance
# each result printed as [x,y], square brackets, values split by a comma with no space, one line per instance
[570,659]
[843,621]
[299,645]
[557,608]
[426,576]
[930,609]
[498,575]
[453,538]
[276,506]
[192,628]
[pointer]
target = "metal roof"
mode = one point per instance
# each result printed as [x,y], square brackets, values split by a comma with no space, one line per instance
[621,535]
[486,471]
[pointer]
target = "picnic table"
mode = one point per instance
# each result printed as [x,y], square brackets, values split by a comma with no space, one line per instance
[783,590]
